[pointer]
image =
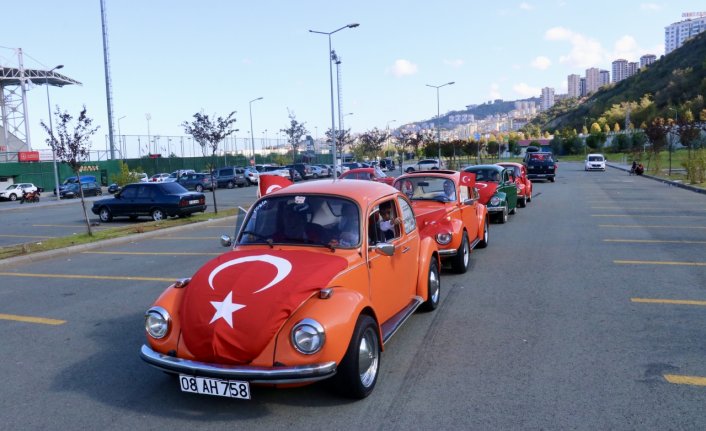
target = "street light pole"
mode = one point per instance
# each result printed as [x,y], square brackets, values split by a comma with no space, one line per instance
[51,132]
[122,146]
[252,136]
[330,70]
[438,114]
[148,117]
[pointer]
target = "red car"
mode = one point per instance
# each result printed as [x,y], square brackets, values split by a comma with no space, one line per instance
[370,174]
[524,185]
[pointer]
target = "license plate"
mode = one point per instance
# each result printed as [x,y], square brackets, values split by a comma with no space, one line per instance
[217,387]
[193,202]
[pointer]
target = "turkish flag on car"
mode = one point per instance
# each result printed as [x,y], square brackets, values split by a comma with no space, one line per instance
[468,179]
[236,303]
[270,183]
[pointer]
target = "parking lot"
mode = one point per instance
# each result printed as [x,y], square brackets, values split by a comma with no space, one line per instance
[585,311]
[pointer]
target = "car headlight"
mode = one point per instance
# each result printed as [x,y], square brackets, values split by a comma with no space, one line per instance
[495,201]
[157,322]
[443,238]
[308,336]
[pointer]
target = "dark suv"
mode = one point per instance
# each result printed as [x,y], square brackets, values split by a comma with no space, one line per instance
[231,176]
[70,190]
[197,182]
[540,165]
[304,170]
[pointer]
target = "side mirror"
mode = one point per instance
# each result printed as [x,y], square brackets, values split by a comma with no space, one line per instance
[469,201]
[226,241]
[385,248]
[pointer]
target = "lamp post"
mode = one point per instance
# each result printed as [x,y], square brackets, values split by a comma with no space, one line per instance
[438,113]
[252,136]
[51,132]
[330,69]
[148,117]
[122,142]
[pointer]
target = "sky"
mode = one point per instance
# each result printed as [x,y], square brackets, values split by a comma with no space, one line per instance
[172,59]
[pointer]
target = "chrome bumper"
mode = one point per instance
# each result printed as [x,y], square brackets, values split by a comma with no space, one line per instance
[496,209]
[447,253]
[262,375]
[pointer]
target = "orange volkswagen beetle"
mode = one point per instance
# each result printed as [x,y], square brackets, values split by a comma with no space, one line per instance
[314,286]
[448,210]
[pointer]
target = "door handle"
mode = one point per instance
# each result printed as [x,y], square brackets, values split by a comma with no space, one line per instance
[405,250]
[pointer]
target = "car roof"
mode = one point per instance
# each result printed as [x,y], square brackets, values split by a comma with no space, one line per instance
[479,167]
[360,191]
[434,173]
[513,164]
[357,170]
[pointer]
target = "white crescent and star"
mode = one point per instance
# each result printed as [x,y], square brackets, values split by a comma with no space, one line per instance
[226,308]
[272,188]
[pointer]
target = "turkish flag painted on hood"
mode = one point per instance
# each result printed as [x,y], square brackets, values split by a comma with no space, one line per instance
[236,303]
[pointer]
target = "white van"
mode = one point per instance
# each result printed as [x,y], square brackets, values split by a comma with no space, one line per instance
[594,162]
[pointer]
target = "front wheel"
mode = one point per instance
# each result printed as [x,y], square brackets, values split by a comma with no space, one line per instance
[359,369]
[503,216]
[522,203]
[462,260]
[433,287]
[199,188]
[105,215]
[230,184]
[13,197]
[551,179]
[158,214]
[486,234]
[409,170]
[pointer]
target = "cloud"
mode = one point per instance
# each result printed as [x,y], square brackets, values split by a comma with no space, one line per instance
[626,47]
[585,52]
[247,61]
[541,63]
[650,7]
[525,90]
[454,63]
[403,68]
[495,91]
[526,6]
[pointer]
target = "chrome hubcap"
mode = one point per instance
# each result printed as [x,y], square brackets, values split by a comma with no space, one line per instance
[368,357]
[434,286]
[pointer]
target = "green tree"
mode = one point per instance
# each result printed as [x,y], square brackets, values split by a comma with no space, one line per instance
[372,140]
[294,133]
[124,175]
[72,147]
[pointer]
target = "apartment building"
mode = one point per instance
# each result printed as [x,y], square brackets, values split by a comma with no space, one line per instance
[647,59]
[574,86]
[547,98]
[679,32]
[620,70]
[593,80]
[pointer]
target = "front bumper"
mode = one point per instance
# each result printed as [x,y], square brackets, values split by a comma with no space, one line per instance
[496,209]
[258,375]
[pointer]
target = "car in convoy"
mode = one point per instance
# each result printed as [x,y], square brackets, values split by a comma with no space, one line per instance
[71,190]
[231,176]
[251,174]
[156,200]
[198,182]
[540,165]
[16,191]
[448,210]
[594,162]
[524,184]
[369,174]
[309,291]
[497,189]
[425,165]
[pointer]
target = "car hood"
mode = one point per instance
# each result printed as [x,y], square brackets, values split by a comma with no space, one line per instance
[236,303]
[486,190]
[431,216]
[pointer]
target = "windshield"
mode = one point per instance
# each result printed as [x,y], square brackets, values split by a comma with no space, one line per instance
[486,174]
[427,188]
[327,221]
[595,158]
[12,187]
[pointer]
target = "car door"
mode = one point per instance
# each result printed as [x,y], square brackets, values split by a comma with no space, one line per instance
[392,287]
[509,187]
[122,204]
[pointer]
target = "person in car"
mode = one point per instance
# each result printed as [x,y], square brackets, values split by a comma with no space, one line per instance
[348,226]
[387,223]
[450,190]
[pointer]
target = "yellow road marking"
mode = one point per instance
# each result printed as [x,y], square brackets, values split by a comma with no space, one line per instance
[30,319]
[155,253]
[650,226]
[645,216]
[639,208]
[685,380]
[186,237]
[655,241]
[26,236]
[657,262]
[668,301]
[88,277]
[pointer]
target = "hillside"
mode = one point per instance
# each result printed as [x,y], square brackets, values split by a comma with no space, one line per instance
[481,111]
[675,80]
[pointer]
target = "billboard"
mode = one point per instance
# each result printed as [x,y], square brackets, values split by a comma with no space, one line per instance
[28,156]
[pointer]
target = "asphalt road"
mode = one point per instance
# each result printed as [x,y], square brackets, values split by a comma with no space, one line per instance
[585,312]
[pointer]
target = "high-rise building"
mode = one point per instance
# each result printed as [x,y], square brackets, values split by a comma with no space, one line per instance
[647,59]
[679,32]
[605,77]
[633,68]
[582,87]
[547,98]
[574,82]
[620,70]
[593,80]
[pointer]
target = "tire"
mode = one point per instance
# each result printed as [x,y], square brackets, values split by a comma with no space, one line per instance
[409,170]
[523,202]
[434,287]
[198,188]
[99,192]
[462,260]
[551,179]
[316,176]
[230,185]
[158,214]
[13,197]
[529,196]
[358,372]
[504,215]
[483,243]
[105,215]
[514,210]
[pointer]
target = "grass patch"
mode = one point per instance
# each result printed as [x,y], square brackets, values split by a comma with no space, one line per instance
[117,232]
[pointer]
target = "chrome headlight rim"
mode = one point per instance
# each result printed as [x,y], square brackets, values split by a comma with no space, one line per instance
[164,316]
[495,201]
[444,238]
[312,329]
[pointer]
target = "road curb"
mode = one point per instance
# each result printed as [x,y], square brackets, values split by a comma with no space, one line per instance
[662,180]
[37,257]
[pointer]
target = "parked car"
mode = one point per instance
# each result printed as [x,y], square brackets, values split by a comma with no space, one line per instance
[540,165]
[159,178]
[369,174]
[156,200]
[320,171]
[198,182]
[73,180]
[230,176]
[142,177]
[282,171]
[594,162]
[498,192]
[304,170]
[524,185]
[71,190]
[293,302]
[387,164]
[252,175]
[114,188]
[16,191]
[448,210]
[425,165]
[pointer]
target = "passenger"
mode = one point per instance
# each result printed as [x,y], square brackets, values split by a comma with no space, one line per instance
[450,190]
[387,223]
[633,169]
[348,226]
